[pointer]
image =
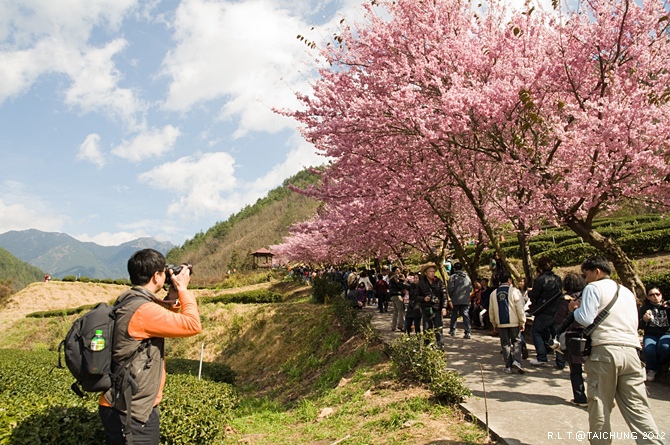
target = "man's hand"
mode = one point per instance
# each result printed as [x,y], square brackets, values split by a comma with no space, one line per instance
[179,282]
[444,312]
[574,304]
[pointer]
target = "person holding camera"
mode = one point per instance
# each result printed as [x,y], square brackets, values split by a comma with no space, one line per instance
[613,368]
[653,320]
[431,294]
[144,323]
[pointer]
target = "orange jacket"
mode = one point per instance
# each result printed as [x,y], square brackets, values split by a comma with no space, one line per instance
[153,320]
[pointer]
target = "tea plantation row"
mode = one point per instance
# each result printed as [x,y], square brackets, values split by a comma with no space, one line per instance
[637,235]
[37,405]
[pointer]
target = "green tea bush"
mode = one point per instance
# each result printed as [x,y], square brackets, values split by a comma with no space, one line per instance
[646,243]
[536,248]
[215,372]
[61,312]
[37,405]
[123,282]
[572,254]
[416,358]
[256,296]
[195,411]
[661,281]
[69,278]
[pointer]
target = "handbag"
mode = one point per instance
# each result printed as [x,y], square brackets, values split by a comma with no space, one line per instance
[579,344]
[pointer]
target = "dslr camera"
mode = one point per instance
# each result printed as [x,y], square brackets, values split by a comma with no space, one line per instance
[175,271]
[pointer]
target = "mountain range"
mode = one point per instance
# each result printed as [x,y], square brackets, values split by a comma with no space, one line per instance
[60,255]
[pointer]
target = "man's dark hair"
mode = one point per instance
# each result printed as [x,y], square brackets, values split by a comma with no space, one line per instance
[143,264]
[597,262]
[504,276]
[545,264]
[457,266]
[573,283]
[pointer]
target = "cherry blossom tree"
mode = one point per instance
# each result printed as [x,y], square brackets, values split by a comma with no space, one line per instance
[566,110]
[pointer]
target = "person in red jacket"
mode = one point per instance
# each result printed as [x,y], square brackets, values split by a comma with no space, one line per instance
[145,322]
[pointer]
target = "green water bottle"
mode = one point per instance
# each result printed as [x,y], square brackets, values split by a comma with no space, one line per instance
[98,341]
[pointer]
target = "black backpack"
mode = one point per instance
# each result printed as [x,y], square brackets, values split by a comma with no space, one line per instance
[93,369]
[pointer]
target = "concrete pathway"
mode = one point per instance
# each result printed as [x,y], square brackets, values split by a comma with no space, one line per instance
[528,409]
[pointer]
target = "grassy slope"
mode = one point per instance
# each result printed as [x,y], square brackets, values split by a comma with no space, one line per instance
[293,361]
[18,272]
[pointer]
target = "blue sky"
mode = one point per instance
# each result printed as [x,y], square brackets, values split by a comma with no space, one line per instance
[122,119]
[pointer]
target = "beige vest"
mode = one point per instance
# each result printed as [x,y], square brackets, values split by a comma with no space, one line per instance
[620,326]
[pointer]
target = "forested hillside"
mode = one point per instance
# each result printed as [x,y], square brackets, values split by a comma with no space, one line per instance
[226,246]
[18,274]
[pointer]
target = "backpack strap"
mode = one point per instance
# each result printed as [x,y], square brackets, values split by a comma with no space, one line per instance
[123,385]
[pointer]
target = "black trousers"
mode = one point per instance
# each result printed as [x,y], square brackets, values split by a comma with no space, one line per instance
[114,422]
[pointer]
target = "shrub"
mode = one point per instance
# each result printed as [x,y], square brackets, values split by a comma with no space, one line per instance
[256,296]
[69,278]
[646,243]
[325,289]
[661,281]
[123,282]
[572,254]
[353,321]
[61,312]
[418,359]
[195,411]
[84,279]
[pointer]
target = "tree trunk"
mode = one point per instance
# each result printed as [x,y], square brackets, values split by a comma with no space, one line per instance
[526,258]
[481,215]
[622,264]
[470,266]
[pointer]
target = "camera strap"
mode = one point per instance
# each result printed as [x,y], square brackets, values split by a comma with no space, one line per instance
[603,314]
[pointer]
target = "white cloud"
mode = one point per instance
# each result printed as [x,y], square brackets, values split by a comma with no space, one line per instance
[152,143]
[90,150]
[19,210]
[246,53]
[39,37]
[109,238]
[129,231]
[95,81]
[199,183]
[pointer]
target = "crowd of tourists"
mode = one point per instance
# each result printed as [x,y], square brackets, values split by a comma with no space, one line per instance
[620,362]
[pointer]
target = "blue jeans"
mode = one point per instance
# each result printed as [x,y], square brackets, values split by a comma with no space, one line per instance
[656,351]
[542,331]
[460,310]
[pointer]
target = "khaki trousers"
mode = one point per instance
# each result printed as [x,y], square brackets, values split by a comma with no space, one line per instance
[616,373]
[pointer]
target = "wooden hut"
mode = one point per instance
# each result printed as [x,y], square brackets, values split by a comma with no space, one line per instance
[262,258]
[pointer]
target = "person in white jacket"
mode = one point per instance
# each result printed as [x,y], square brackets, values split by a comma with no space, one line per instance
[509,318]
